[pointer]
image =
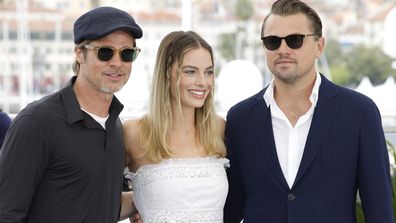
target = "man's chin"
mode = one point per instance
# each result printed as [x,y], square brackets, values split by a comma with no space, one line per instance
[111,90]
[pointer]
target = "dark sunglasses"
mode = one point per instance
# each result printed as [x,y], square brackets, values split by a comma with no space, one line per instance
[105,53]
[293,41]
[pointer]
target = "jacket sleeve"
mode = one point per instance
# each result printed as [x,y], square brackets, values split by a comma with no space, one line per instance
[5,122]
[23,160]
[374,181]
[234,206]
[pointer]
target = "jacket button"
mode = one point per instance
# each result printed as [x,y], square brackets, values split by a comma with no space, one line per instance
[291,197]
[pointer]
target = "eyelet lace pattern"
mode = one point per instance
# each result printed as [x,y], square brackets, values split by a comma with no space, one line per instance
[166,172]
[181,190]
[167,216]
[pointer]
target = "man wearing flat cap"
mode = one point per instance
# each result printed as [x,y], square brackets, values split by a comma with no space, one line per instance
[64,156]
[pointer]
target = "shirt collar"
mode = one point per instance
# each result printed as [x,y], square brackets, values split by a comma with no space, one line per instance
[72,107]
[269,93]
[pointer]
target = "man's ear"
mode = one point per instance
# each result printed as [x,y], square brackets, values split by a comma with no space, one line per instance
[320,46]
[79,53]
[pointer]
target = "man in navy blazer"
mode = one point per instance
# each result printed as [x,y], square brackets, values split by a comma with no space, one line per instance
[302,148]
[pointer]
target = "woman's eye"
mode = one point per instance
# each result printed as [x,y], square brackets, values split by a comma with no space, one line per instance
[209,72]
[189,71]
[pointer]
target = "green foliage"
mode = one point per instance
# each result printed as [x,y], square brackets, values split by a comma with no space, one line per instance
[359,212]
[232,45]
[340,75]
[333,53]
[369,62]
[227,45]
[392,151]
[350,65]
[244,10]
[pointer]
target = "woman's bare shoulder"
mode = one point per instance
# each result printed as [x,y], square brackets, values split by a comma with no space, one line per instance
[131,124]
[134,149]
[132,137]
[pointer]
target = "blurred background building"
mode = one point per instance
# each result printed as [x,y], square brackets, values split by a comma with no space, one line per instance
[36,46]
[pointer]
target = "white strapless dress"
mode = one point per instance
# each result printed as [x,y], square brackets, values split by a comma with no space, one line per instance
[181,190]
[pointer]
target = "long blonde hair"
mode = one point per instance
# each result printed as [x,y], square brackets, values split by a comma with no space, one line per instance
[155,126]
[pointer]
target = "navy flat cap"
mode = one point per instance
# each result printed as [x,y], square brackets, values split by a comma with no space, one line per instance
[102,21]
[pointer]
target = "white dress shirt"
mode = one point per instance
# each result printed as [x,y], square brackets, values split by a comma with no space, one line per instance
[289,140]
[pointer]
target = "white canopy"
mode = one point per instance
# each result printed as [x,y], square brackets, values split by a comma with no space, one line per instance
[238,80]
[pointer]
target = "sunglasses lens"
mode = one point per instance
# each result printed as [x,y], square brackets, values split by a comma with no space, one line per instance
[294,41]
[105,53]
[272,42]
[128,55]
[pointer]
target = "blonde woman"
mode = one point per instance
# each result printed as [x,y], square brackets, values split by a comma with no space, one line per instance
[176,150]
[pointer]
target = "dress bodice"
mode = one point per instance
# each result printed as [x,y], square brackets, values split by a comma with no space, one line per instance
[181,190]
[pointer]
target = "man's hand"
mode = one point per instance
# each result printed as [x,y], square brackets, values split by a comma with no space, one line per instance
[135,218]
[128,208]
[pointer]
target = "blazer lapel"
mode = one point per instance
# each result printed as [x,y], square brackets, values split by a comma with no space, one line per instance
[260,120]
[324,115]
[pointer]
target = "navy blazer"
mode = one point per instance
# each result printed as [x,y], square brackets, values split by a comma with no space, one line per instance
[345,152]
